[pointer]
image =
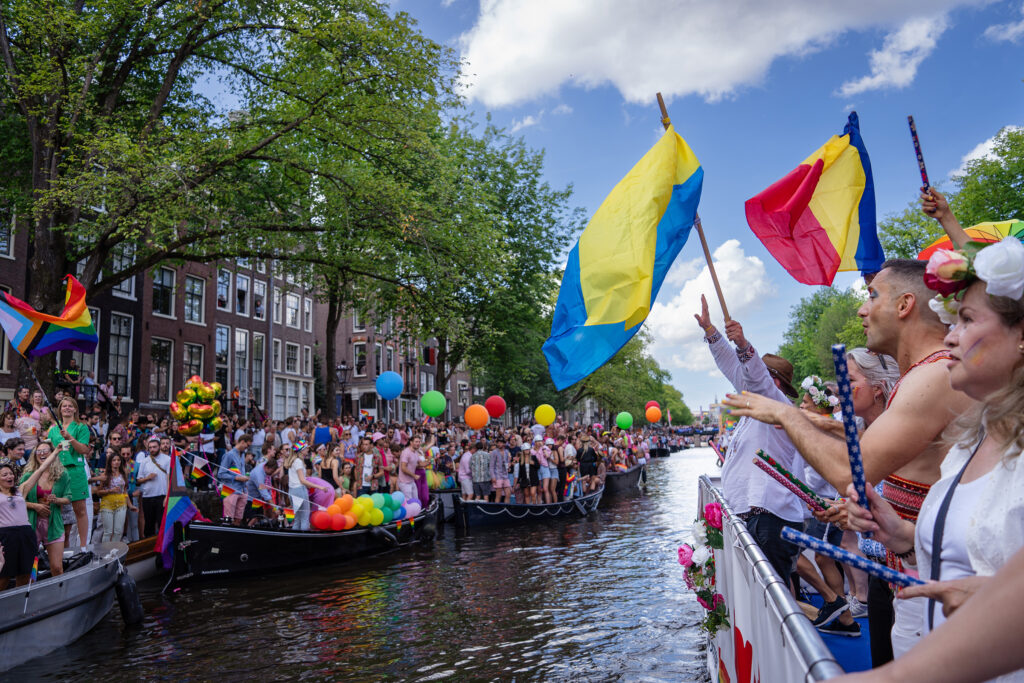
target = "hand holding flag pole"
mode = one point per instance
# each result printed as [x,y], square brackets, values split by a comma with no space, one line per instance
[666,122]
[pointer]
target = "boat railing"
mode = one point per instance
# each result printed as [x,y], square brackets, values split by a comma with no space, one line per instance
[769,633]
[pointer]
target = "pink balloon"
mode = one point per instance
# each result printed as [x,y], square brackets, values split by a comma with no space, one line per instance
[318,497]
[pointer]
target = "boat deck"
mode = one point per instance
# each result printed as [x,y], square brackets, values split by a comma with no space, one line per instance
[853,654]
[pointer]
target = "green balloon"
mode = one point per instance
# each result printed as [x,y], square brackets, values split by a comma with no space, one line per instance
[624,420]
[378,500]
[388,515]
[389,502]
[433,403]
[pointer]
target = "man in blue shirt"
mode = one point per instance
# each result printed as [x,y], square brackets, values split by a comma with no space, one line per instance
[257,489]
[231,473]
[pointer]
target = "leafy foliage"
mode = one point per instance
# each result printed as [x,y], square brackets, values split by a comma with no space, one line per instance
[827,317]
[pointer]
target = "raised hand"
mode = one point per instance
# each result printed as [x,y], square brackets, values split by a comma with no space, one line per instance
[704,317]
[734,332]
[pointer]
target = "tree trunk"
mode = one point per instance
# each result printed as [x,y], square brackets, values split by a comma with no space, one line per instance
[331,352]
[442,359]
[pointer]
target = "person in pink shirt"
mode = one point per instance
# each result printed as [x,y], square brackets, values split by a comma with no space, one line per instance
[547,477]
[465,474]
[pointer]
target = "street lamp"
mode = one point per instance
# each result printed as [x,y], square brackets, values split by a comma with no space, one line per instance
[341,372]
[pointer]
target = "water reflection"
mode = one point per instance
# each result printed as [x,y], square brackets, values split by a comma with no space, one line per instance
[597,599]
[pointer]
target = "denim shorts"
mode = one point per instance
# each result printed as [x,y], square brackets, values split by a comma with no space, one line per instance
[547,472]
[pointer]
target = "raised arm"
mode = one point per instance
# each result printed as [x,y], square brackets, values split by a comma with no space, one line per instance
[724,355]
[33,479]
[934,204]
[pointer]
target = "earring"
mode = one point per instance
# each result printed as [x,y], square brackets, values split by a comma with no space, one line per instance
[1020,347]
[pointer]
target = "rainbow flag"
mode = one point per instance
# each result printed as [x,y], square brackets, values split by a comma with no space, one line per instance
[226,491]
[617,267]
[176,509]
[35,334]
[35,570]
[256,503]
[820,218]
[289,514]
[620,467]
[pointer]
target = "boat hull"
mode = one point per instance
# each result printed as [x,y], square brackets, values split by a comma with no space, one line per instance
[446,501]
[474,513]
[53,613]
[617,483]
[210,551]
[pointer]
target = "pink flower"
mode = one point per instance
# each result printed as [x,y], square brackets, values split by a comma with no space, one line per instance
[946,271]
[689,580]
[704,604]
[685,555]
[716,600]
[713,515]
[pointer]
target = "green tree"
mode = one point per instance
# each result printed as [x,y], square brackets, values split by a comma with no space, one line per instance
[827,317]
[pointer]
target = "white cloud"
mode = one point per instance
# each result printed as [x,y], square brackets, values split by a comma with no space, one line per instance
[525,122]
[895,65]
[1011,32]
[562,109]
[677,337]
[520,50]
[447,3]
[983,150]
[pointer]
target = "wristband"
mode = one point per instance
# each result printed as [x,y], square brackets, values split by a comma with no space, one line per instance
[746,354]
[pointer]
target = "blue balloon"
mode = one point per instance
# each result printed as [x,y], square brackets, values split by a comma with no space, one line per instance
[389,385]
[399,514]
[397,498]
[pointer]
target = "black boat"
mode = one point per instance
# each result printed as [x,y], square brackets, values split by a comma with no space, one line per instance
[478,513]
[660,452]
[209,550]
[625,481]
[446,501]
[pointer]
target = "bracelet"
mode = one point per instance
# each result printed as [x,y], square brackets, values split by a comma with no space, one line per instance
[907,554]
[708,329]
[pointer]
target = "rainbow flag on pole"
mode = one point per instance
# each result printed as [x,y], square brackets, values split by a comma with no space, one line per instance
[820,218]
[36,334]
[617,267]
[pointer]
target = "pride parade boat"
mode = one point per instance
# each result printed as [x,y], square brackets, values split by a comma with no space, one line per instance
[478,513]
[624,481]
[206,550]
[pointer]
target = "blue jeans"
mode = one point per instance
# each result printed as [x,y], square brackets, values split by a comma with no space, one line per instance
[301,521]
[782,555]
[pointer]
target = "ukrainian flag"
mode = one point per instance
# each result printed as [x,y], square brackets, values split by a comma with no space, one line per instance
[615,270]
[820,218]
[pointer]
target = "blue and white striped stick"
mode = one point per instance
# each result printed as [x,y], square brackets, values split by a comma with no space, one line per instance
[850,425]
[838,554]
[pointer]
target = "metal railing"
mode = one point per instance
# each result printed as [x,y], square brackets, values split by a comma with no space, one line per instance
[819,663]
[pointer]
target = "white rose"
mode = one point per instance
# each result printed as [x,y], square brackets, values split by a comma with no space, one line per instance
[700,534]
[1001,266]
[701,555]
[806,384]
[833,401]
[946,312]
[813,391]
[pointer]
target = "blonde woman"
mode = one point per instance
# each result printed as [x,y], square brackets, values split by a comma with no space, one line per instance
[70,436]
[298,485]
[44,500]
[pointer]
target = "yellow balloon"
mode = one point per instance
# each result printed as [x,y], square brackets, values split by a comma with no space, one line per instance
[544,415]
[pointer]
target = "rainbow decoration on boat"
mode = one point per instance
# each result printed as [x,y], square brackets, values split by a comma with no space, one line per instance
[289,514]
[35,334]
[226,491]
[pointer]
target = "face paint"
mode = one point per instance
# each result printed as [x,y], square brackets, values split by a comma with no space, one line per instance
[975,355]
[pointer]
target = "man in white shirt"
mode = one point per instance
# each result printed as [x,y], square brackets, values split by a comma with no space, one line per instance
[152,480]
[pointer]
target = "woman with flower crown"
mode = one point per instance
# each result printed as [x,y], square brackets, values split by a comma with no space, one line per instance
[972,520]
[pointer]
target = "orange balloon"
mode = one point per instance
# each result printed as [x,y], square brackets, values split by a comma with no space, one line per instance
[345,502]
[653,414]
[350,521]
[477,416]
[333,510]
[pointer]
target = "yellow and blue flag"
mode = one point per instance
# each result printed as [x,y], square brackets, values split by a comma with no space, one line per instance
[615,270]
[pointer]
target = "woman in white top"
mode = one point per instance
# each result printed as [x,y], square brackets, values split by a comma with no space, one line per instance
[298,487]
[984,518]
[7,428]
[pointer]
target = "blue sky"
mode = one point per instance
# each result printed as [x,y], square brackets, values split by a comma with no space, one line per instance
[754,87]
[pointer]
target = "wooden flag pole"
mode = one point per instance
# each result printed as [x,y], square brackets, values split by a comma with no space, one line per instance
[665,121]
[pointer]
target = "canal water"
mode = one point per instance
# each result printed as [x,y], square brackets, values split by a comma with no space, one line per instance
[595,599]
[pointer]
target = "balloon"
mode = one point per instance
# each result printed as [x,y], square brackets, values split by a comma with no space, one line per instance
[333,510]
[389,502]
[217,388]
[653,414]
[318,497]
[178,411]
[215,406]
[388,515]
[205,392]
[495,406]
[376,517]
[389,385]
[544,415]
[185,396]
[652,403]
[345,502]
[193,382]
[200,410]
[364,519]
[433,403]
[378,500]
[214,424]
[338,521]
[363,499]
[320,519]
[399,513]
[397,498]
[350,521]
[413,508]
[624,420]
[476,416]
[190,428]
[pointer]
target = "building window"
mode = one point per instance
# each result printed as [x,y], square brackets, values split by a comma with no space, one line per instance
[242,294]
[463,393]
[85,362]
[378,350]
[357,324]
[243,262]
[242,362]
[291,358]
[291,304]
[195,300]
[277,305]
[307,315]
[222,342]
[163,292]
[223,289]
[119,362]
[307,361]
[161,351]
[6,236]
[261,266]
[359,354]
[293,397]
[122,258]
[279,398]
[259,344]
[277,355]
[391,358]
[259,300]
[193,360]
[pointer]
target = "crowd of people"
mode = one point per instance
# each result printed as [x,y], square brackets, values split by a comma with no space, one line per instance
[939,397]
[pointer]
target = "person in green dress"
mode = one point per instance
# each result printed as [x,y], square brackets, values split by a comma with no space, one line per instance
[70,436]
[44,501]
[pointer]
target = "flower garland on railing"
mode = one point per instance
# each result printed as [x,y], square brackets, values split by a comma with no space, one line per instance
[698,562]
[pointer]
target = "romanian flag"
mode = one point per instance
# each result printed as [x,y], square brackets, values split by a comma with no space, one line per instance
[36,334]
[617,267]
[820,218]
[289,514]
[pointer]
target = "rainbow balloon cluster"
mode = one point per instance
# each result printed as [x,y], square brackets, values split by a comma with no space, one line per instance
[196,407]
[366,510]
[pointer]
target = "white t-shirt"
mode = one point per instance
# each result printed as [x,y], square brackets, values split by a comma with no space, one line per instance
[258,439]
[158,485]
[293,473]
[538,430]
[288,436]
